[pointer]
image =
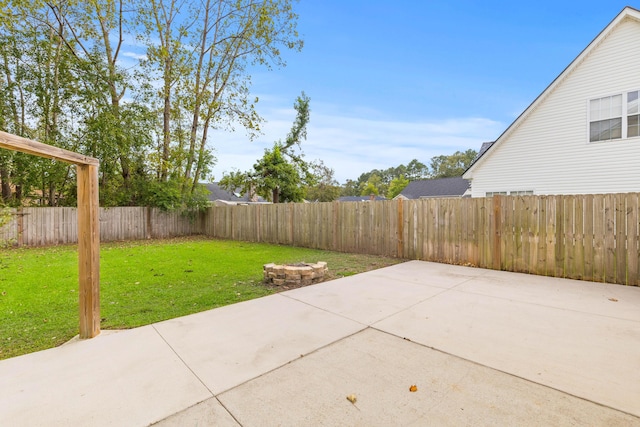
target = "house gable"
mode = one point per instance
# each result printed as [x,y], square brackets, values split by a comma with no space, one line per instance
[547,149]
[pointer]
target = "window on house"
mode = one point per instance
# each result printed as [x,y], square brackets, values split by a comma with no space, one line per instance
[633,114]
[605,118]
[614,117]
[509,193]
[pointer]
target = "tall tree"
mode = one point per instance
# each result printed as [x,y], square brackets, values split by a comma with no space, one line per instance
[202,60]
[281,174]
[95,32]
[326,188]
[397,185]
[452,165]
[416,170]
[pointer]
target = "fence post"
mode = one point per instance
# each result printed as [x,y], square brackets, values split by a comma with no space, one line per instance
[400,228]
[148,229]
[292,221]
[20,226]
[496,252]
[334,237]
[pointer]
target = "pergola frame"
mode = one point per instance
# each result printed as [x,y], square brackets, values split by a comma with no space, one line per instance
[88,224]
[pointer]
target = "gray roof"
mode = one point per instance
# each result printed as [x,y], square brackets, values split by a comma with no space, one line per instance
[219,193]
[483,149]
[441,187]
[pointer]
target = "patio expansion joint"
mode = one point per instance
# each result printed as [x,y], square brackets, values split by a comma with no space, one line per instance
[420,301]
[325,310]
[548,306]
[183,361]
[506,373]
[213,395]
[301,356]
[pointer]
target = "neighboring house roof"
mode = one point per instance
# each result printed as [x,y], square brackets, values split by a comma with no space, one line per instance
[485,146]
[625,13]
[359,198]
[441,187]
[219,195]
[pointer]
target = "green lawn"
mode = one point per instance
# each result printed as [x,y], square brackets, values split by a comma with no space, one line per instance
[141,283]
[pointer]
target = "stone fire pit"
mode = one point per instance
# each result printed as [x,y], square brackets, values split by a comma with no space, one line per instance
[300,274]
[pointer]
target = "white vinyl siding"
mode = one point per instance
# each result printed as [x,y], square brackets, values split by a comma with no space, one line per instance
[550,151]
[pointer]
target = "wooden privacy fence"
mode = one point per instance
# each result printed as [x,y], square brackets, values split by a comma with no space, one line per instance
[589,237]
[53,226]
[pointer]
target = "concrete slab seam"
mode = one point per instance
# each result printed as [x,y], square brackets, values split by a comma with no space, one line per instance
[411,306]
[183,361]
[292,361]
[535,304]
[290,293]
[322,309]
[507,373]
[196,404]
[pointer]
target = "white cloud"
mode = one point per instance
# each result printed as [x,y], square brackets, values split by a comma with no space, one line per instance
[134,55]
[354,145]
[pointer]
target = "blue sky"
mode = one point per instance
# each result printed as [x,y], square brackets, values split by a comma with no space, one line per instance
[394,81]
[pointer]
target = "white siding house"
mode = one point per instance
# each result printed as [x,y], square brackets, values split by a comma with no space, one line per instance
[581,135]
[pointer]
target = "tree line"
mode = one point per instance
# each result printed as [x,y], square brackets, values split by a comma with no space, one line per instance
[390,182]
[69,77]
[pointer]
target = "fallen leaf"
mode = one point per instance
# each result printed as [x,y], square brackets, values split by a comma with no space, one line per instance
[352,398]
[613,299]
[413,388]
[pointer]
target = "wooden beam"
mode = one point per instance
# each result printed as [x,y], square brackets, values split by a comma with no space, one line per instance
[88,250]
[23,145]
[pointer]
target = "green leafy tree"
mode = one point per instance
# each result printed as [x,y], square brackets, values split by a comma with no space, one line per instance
[350,188]
[282,173]
[373,185]
[452,165]
[397,185]
[326,188]
[416,170]
[370,189]
[382,179]
[202,60]
[277,179]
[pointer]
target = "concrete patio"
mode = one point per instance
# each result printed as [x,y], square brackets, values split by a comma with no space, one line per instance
[483,347]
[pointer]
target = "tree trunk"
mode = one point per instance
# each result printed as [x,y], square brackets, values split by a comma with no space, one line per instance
[6,184]
[166,123]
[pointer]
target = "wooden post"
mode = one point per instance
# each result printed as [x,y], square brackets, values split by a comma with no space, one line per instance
[496,254]
[88,224]
[149,225]
[400,229]
[88,250]
[20,221]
